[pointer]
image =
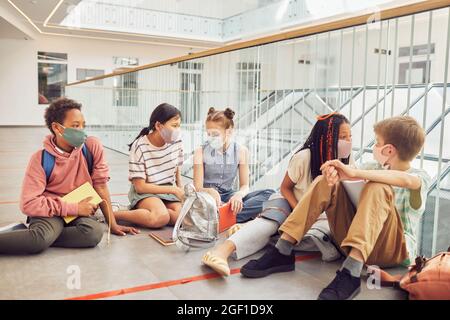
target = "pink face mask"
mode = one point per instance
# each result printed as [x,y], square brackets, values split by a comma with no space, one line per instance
[379,156]
[344,149]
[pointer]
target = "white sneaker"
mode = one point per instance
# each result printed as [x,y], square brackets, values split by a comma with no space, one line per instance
[119,207]
[13,227]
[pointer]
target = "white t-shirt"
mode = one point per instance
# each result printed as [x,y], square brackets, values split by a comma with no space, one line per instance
[156,165]
[299,171]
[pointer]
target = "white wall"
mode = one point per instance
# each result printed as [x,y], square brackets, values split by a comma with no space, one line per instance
[18,65]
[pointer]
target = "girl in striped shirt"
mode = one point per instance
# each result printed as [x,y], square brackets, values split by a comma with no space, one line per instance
[156,156]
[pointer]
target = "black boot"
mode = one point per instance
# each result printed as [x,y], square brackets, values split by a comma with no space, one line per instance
[271,262]
[343,287]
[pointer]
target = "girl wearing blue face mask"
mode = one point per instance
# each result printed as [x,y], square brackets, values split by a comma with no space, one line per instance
[220,161]
[156,157]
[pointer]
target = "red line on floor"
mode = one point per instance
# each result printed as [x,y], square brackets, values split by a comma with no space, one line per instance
[170,283]
[8,202]
[112,195]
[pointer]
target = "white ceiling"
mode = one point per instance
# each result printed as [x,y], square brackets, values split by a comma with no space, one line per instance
[8,31]
[258,16]
[38,11]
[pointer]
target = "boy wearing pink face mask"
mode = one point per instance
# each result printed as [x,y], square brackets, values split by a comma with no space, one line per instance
[156,157]
[382,230]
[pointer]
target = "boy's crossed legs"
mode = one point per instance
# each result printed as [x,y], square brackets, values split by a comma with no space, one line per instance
[373,234]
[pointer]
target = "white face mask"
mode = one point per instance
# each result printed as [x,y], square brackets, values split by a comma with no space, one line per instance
[216,142]
[170,135]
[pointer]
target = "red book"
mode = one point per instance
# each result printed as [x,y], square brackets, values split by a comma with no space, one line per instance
[227,218]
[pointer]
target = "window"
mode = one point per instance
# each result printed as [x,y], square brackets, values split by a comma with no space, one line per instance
[190,65]
[52,76]
[125,87]
[190,90]
[125,61]
[417,50]
[52,56]
[417,73]
[83,74]
[126,90]
[249,84]
[190,97]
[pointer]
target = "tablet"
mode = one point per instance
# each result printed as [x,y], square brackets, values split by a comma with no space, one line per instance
[354,189]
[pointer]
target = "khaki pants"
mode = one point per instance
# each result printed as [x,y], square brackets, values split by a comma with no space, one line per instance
[375,229]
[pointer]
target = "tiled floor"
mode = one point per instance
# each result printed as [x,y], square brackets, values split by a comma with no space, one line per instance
[132,261]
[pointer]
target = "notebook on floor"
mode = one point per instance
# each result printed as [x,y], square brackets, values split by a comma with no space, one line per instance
[82,192]
[163,236]
[354,189]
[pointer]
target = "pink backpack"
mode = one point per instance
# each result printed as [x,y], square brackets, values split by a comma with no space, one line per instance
[427,279]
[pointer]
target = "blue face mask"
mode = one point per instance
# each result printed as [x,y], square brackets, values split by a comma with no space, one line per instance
[74,137]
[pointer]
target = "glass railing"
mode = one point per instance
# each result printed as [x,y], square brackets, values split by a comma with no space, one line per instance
[218,22]
[278,85]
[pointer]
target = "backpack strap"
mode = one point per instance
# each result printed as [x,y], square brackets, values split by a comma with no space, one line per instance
[389,280]
[386,279]
[89,158]
[47,162]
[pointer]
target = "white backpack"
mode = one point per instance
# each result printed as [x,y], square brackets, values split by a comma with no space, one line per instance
[197,225]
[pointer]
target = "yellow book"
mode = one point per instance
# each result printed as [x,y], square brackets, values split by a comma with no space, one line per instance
[82,192]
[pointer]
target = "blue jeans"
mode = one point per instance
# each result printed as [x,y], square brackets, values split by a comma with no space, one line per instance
[252,202]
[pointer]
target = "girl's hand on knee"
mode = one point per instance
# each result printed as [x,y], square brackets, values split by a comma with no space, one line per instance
[179,193]
[236,203]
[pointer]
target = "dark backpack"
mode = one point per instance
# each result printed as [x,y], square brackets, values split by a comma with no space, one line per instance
[48,161]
